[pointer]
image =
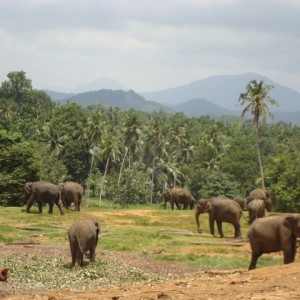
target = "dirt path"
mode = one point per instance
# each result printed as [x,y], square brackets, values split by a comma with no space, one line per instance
[277,282]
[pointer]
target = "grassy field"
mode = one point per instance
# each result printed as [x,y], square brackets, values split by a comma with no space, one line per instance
[142,230]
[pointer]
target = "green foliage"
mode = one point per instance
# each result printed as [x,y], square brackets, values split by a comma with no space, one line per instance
[133,157]
[76,159]
[19,164]
[133,189]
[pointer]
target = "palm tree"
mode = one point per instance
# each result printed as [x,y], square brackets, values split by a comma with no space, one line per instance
[111,152]
[93,133]
[54,139]
[256,100]
[132,134]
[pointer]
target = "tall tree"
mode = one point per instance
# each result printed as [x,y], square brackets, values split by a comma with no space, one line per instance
[256,100]
[16,87]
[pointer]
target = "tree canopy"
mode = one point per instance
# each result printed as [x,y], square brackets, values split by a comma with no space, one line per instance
[133,157]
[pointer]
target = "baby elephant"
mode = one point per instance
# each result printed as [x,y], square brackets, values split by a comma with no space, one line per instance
[3,274]
[272,234]
[83,237]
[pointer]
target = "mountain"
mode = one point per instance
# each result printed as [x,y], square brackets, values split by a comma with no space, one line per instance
[215,96]
[224,90]
[100,84]
[199,106]
[58,96]
[124,100]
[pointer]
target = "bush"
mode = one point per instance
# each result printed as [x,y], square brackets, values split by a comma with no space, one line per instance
[19,164]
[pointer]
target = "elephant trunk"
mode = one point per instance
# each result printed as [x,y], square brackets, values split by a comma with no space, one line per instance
[197,221]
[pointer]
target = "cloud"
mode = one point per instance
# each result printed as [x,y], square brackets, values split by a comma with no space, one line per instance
[149,45]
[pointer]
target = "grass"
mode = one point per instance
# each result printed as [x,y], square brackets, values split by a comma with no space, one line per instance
[136,229]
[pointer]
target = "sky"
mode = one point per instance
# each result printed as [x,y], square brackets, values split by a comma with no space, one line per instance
[148,45]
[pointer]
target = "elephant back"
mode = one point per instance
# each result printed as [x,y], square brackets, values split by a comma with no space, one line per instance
[85,231]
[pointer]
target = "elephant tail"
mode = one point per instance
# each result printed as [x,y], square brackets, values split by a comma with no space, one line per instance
[244,216]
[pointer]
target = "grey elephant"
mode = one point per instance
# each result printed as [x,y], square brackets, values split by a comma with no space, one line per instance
[262,194]
[256,209]
[43,192]
[273,234]
[71,192]
[83,236]
[179,196]
[220,210]
[240,201]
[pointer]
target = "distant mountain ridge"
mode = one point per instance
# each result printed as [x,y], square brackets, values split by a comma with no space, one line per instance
[123,99]
[199,106]
[214,96]
[224,90]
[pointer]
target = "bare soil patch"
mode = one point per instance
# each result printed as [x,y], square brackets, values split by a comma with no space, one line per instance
[277,282]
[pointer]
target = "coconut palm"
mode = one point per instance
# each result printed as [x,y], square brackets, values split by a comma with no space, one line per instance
[93,133]
[256,100]
[111,152]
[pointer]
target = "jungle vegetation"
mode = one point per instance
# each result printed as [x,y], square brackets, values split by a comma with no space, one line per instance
[132,157]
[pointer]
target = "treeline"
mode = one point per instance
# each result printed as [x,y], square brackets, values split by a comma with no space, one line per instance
[133,157]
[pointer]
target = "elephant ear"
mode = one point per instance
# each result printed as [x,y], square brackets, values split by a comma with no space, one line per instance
[207,206]
[28,188]
[293,223]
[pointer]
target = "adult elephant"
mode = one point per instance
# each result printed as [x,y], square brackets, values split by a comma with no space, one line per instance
[220,210]
[179,196]
[71,192]
[83,236]
[256,209]
[43,192]
[240,201]
[262,194]
[273,234]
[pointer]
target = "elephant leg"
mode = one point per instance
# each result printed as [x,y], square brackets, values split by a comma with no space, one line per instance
[50,211]
[254,258]
[77,207]
[59,205]
[40,206]
[212,226]
[220,230]
[289,254]
[30,203]
[74,249]
[177,205]
[237,231]
[172,205]
[79,257]
[92,254]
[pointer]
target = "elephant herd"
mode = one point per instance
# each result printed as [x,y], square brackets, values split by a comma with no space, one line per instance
[63,194]
[265,235]
[83,233]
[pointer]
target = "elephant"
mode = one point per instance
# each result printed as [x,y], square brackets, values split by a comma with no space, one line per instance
[83,236]
[256,209]
[179,196]
[3,274]
[273,234]
[262,194]
[43,192]
[220,210]
[240,201]
[71,192]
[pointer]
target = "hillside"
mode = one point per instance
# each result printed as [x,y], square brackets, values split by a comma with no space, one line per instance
[214,96]
[199,107]
[122,99]
[224,91]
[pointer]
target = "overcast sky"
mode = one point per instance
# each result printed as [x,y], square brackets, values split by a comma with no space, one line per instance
[148,45]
